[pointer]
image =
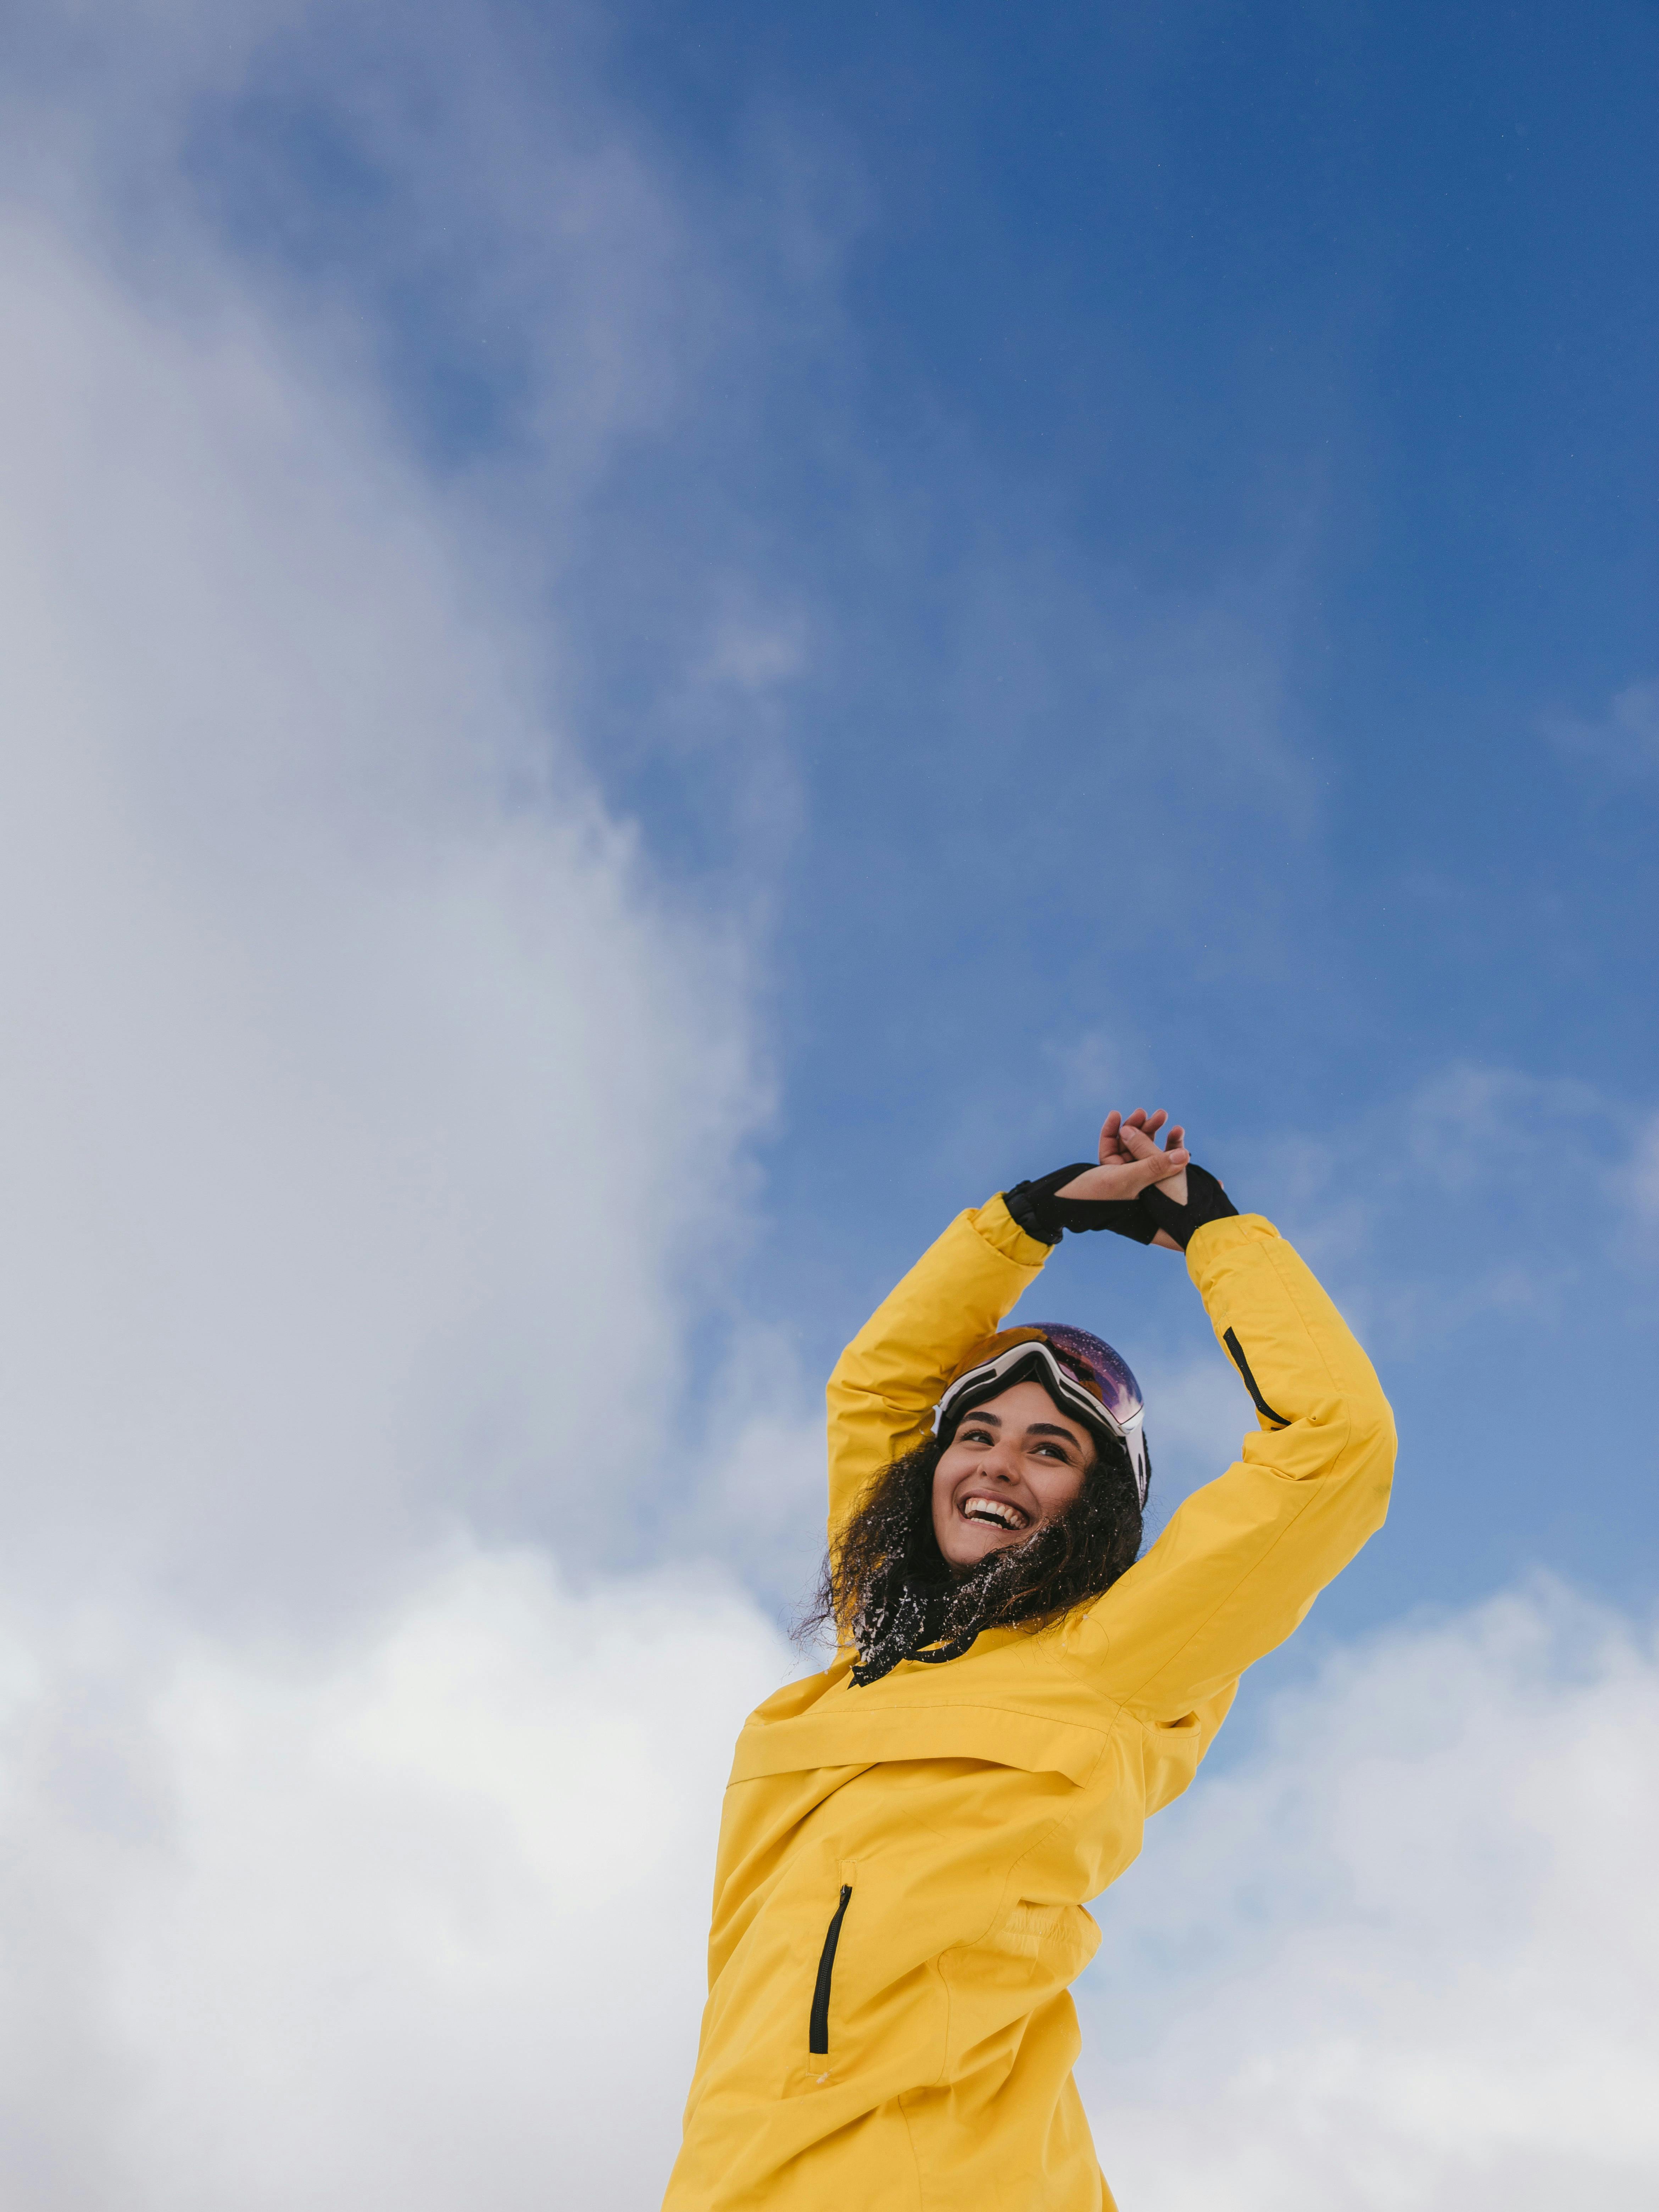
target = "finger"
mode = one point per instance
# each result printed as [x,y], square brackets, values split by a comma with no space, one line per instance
[1156,1167]
[1160,1165]
[1111,1179]
[1137,1120]
[1156,1122]
[1109,1147]
[1174,1137]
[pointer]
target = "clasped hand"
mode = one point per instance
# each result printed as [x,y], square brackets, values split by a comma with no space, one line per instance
[1131,1158]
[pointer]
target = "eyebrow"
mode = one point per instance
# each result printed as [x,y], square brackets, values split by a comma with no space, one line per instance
[1032,1428]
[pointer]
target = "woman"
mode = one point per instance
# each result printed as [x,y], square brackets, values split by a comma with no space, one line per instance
[909,1837]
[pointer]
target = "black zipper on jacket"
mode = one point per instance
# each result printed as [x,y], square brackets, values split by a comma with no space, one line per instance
[817,2041]
[1251,1383]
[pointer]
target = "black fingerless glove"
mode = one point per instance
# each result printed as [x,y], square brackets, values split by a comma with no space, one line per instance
[1205,1201]
[1041,1214]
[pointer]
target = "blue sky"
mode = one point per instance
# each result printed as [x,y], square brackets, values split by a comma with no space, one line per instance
[644,648]
[1189,472]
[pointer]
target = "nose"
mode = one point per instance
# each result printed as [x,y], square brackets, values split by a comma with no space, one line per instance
[998,1464]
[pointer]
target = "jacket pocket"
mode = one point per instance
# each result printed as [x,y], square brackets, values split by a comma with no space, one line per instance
[817,2040]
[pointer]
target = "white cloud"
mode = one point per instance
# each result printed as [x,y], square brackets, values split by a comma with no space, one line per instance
[363,1099]
[1469,1135]
[765,1490]
[413,1916]
[756,648]
[1404,1954]
[1625,740]
[417,1910]
[367,1137]
[369,1127]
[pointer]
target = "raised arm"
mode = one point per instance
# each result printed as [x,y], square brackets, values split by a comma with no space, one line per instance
[889,1379]
[1243,1558]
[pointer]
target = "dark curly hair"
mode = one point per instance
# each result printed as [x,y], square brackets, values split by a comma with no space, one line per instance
[888,1588]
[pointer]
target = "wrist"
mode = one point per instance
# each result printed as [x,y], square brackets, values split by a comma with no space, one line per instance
[1205,1201]
[1042,1212]
[1174,1187]
[1034,1207]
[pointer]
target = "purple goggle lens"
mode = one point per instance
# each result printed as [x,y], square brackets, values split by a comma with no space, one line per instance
[1120,1393]
[1080,1372]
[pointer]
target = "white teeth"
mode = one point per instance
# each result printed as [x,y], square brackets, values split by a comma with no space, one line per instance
[993,1509]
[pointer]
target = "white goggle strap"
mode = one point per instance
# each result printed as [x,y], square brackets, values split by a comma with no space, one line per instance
[1133,1433]
[1131,1430]
[1015,1356]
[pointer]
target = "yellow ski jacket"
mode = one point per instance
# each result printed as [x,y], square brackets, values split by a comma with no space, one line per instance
[900,1886]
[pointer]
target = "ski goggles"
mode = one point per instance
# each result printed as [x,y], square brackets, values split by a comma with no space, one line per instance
[1083,1375]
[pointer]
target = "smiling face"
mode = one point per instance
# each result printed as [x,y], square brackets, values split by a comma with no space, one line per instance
[1013,1463]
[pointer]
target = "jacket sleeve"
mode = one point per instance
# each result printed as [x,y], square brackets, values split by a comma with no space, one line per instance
[886,1383]
[1243,1560]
